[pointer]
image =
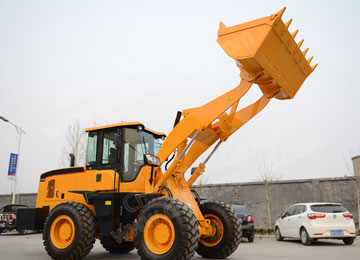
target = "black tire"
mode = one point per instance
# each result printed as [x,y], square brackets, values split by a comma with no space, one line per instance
[186,235]
[1,230]
[348,240]
[304,236]
[278,235]
[251,239]
[84,235]
[110,245]
[22,232]
[232,231]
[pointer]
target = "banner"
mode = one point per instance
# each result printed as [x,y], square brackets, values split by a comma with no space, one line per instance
[12,166]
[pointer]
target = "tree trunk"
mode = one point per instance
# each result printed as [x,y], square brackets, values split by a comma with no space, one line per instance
[268,203]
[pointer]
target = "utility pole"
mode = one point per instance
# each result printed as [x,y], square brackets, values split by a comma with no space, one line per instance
[20,131]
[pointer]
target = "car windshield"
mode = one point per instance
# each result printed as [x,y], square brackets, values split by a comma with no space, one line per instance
[240,209]
[328,208]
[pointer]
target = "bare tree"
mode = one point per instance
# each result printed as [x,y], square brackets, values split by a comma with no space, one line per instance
[75,143]
[267,174]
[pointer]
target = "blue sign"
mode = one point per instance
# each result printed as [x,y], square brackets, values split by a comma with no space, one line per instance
[12,164]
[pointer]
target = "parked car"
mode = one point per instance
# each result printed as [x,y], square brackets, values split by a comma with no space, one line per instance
[311,221]
[247,222]
[8,217]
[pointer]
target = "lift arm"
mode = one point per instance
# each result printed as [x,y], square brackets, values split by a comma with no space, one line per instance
[267,55]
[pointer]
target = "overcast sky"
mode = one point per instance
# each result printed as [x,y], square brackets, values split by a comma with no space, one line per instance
[113,61]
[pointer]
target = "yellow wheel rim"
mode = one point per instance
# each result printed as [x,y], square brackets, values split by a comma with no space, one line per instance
[159,234]
[62,231]
[217,234]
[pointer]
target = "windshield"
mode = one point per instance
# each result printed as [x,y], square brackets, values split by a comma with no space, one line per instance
[136,144]
[328,208]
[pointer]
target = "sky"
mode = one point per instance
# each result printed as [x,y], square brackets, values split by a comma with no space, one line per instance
[115,61]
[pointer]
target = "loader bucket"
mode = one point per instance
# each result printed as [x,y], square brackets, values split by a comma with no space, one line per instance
[267,54]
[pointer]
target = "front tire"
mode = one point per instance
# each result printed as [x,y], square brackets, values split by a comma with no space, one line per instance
[251,239]
[228,235]
[348,240]
[278,235]
[305,239]
[110,245]
[167,229]
[69,231]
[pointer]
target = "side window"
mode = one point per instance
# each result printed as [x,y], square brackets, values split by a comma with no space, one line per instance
[91,149]
[110,153]
[300,209]
[290,212]
[50,189]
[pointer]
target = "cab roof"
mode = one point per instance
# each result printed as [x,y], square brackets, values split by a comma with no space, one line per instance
[124,124]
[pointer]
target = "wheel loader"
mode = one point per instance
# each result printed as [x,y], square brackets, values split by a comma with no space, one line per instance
[133,193]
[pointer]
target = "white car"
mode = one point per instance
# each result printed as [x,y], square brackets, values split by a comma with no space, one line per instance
[312,221]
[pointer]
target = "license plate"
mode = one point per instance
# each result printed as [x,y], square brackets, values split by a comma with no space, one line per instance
[336,232]
[2,224]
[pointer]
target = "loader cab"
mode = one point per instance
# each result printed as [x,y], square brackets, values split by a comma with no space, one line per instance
[121,147]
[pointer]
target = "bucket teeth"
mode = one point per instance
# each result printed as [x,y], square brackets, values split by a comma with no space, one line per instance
[222,26]
[309,60]
[313,67]
[293,35]
[287,24]
[304,52]
[300,43]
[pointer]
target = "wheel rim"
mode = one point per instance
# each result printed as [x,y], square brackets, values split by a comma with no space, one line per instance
[62,231]
[159,234]
[303,236]
[217,235]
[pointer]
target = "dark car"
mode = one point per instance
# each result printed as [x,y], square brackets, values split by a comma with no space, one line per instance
[247,222]
[8,217]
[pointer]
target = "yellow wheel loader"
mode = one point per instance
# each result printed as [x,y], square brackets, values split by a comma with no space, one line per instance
[132,192]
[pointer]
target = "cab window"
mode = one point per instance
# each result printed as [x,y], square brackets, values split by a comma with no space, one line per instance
[110,153]
[91,149]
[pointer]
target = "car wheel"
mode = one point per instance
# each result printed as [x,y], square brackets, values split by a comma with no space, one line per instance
[166,229]
[69,231]
[228,231]
[305,239]
[278,235]
[113,247]
[22,232]
[251,239]
[348,240]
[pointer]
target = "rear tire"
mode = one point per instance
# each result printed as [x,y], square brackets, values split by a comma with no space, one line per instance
[22,232]
[304,236]
[113,247]
[278,235]
[1,230]
[348,240]
[251,239]
[228,236]
[166,229]
[69,231]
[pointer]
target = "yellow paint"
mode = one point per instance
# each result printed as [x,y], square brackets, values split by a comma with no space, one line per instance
[159,234]
[62,232]
[108,203]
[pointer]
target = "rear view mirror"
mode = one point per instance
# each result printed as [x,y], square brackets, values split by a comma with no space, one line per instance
[117,140]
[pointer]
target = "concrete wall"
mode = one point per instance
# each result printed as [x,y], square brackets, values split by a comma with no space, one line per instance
[282,194]
[24,198]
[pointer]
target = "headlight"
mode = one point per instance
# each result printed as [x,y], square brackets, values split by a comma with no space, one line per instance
[152,160]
